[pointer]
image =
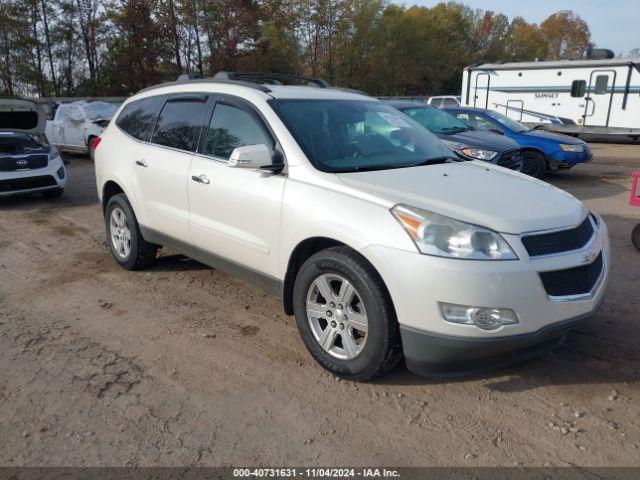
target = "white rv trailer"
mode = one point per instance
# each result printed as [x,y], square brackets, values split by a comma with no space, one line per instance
[600,97]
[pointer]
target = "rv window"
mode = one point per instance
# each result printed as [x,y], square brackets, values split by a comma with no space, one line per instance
[578,88]
[602,82]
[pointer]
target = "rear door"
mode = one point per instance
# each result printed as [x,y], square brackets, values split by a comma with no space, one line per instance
[599,97]
[235,212]
[73,127]
[161,166]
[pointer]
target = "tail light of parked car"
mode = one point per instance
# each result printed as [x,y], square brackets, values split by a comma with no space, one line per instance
[95,142]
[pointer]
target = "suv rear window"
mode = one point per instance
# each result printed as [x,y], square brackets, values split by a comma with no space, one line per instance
[137,118]
[179,124]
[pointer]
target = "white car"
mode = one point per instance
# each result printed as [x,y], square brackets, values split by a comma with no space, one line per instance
[376,236]
[27,163]
[76,125]
[444,101]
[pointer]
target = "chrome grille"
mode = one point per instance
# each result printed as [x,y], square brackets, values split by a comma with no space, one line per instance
[560,241]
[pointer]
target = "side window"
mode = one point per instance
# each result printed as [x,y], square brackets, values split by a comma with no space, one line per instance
[484,124]
[232,127]
[61,113]
[179,124]
[602,82]
[578,88]
[137,117]
[75,114]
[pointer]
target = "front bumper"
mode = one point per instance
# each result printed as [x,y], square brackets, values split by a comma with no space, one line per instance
[434,355]
[562,159]
[35,180]
[419,283]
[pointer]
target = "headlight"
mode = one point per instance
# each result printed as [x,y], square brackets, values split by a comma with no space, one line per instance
[54,154]
[479,153]
[442,236]
[572,148]
[470,152]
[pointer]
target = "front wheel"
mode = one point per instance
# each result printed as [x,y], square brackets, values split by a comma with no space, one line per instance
[345,316]
[534,164]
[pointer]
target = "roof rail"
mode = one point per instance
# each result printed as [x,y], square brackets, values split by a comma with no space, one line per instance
[269,78]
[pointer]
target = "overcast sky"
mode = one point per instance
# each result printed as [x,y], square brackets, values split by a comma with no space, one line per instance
[614,24]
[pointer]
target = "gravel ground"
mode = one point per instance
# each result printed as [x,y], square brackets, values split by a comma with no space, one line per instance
[184,365]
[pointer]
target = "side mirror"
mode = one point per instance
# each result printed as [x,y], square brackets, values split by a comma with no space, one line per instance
[496,130]
[251,156]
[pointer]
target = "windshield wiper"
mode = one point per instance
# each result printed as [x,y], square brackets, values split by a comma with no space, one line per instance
[435,161]
[452,130]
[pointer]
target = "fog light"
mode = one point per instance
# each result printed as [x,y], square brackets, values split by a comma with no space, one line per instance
[60,173]
[485,318]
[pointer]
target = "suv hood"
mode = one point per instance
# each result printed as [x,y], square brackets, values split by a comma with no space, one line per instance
[21,115]
[482,139]
[474,192]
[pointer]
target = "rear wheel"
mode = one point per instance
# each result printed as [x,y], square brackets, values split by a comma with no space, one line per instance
[635,236]
[125,241]
[345,316]
[534,164]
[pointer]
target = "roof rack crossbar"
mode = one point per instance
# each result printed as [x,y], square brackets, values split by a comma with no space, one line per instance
[236,76]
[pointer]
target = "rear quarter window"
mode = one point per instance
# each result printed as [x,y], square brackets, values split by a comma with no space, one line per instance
[137,118]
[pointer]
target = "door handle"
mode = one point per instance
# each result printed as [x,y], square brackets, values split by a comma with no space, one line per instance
[142,163]
[201,179]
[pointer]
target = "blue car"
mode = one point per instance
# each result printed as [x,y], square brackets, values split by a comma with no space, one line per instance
[542,150]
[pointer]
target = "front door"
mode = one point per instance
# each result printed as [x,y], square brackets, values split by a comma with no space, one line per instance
[161,167]
[481,91]
[235,212]
[599,97]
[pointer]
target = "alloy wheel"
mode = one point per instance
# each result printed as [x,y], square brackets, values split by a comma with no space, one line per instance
[120,233]
[337,316]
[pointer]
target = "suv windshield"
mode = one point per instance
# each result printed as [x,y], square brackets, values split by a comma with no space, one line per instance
[435,120]
[507,122]
[356,135]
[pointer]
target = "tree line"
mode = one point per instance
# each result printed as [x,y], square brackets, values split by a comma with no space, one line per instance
[116,47]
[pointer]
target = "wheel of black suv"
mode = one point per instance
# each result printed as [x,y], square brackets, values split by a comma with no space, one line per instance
[125,241]
[345,316]
[534,164]
[56,193]
[635,236]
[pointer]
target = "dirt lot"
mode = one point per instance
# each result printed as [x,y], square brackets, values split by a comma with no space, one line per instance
[183,365]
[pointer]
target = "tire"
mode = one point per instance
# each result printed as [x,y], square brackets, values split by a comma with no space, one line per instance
[130,250]
[534,164]
[352,353]
[635,236]
[55,193]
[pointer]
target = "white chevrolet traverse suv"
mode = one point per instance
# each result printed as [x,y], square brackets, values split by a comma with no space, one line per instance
[378,239]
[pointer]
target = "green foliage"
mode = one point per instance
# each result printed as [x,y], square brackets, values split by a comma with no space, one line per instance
[116,47]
